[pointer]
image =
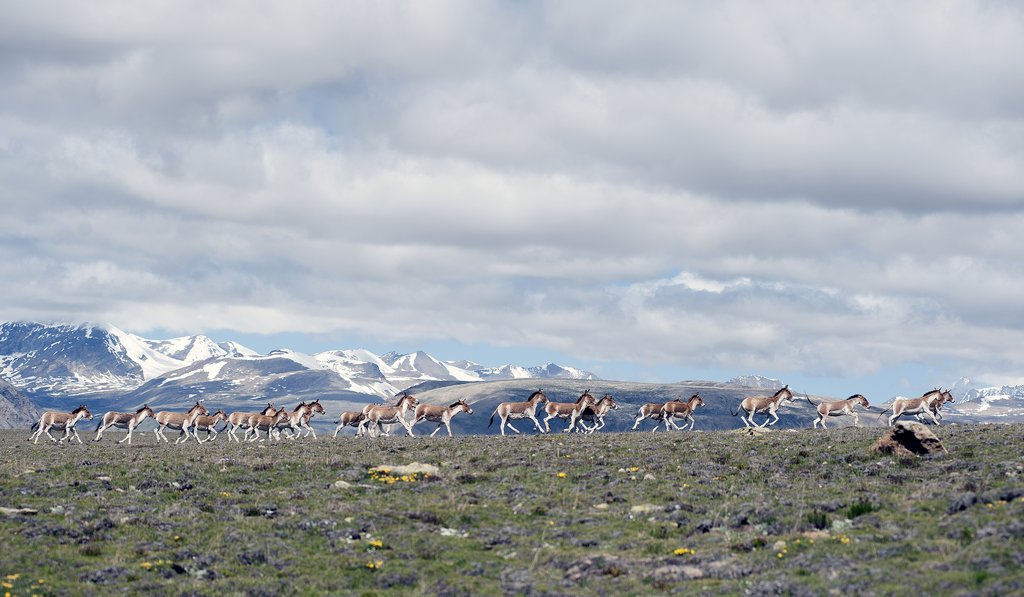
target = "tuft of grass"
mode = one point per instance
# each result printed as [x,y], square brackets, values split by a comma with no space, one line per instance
[817,519]
[860,507]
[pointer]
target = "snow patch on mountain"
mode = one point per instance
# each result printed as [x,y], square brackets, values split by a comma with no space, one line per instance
[759,382]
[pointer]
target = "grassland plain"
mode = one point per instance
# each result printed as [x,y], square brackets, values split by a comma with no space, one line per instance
[787,512]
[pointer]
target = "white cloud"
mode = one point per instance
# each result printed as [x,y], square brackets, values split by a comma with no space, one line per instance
[760,186]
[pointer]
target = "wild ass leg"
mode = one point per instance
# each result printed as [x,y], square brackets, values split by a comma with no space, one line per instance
[127,437]
[512,427]
[309,430]
[46,430]
[547,425]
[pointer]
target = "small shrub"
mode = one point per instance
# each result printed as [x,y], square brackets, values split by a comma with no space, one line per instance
[861,507]
[817,519]
[966,536]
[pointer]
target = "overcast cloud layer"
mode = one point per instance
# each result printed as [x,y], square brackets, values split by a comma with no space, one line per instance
[821,189]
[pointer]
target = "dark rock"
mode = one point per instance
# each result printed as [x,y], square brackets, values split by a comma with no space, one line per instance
[104,576]
[908,438]
[962,502]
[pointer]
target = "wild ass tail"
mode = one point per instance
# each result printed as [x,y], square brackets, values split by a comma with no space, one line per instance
[736,412]
[809,400]
[491,422]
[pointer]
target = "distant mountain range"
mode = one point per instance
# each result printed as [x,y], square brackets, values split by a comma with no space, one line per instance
[56,361]
[986,402]
[53,365]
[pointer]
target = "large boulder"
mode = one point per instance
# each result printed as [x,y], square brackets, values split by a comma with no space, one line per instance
[908,438]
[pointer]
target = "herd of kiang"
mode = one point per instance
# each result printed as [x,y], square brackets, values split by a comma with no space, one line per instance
[586,414]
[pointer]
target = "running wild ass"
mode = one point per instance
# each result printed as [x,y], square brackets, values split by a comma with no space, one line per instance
[937,406]
[380,415]
[595,414]
[127,421]
[240,420]
[837,408]
[519,410]
[208,423]
[181,422]
[257,423]
[913,406]
[567,410]
[58,420]
[681,410]
[299,418]
[764,404]
[315,408]
[349,418]
[442,415]
[653,411]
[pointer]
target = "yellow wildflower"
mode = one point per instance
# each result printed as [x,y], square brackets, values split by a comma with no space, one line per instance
[13,576]
[561,475]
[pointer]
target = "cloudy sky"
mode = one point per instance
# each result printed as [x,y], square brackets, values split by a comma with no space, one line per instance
[831,194]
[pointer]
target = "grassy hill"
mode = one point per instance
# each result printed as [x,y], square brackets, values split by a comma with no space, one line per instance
[787,512]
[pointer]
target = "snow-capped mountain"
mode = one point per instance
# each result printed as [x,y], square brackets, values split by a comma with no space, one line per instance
[69,360]
[756,381]
[984,401]
[87,358]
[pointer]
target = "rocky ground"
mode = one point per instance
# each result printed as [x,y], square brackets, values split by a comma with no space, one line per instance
[786,512]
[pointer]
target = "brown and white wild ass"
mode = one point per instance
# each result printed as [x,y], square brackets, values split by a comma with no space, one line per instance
[836,408]
[653,411]
[298,420]
[595,414]
[240,420]
[937,406]
[764,404]
[567,410]
[380,415]
[120,420]
[681,410]
[208,423]
[315,408]
[180,422]
[913,406]
[349,418]
[519,410]
[58,420]
[442,415]
[257,423]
